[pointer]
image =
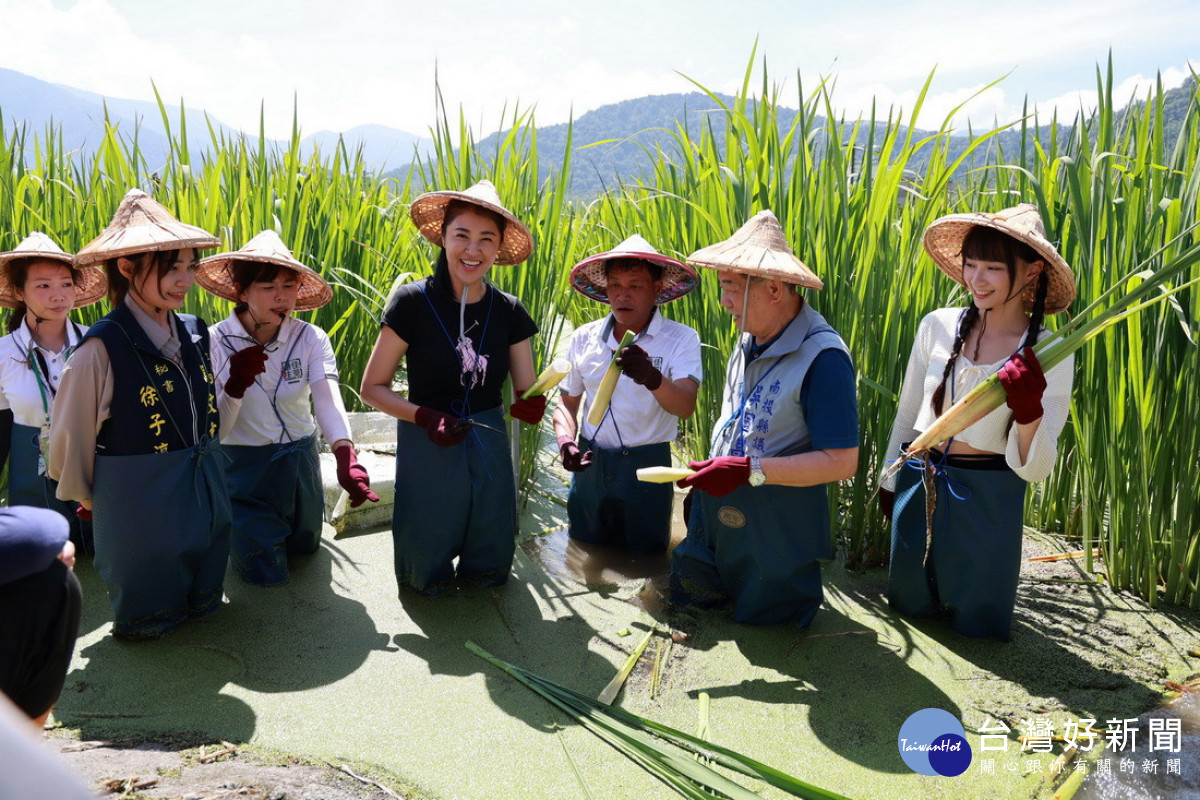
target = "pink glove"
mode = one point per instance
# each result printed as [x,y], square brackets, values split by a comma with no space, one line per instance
[634,362]
[1024,384]
[243,366]
[572,459]
[442,429]
[718,476]
[528,410]
[353,477]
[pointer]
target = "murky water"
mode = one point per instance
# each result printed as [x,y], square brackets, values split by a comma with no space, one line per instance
[639,578]
[1143,774]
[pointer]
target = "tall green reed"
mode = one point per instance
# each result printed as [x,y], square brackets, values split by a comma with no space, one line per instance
[854,197]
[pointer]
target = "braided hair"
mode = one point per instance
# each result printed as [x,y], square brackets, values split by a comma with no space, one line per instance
[989,244]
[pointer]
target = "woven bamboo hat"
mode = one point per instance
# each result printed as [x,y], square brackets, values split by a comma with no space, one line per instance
[90,282]
[944,239]
[143,225]
[760,250]
[589,279]
[215,273]
[429,210]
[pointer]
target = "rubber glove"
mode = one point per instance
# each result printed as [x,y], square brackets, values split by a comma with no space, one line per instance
[1024,384]
[528,410]
[718,476]
[442,429]
[634,362]
[243,366]
[572,459]
[353,477]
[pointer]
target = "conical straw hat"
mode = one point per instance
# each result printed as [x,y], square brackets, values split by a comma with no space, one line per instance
[759,249]
[429,210]
[588,277]
[944,239]
[215,273]
[90,284]
[142,225]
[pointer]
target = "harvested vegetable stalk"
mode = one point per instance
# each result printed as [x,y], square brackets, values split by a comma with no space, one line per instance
[1150,286]
[608,384]
[614,686]
[550,377]
[663,474]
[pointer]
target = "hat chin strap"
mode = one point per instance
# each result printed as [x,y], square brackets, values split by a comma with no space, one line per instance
[745,306]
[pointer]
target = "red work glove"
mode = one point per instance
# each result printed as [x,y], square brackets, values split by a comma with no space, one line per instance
[1024,384]
[718,476]
[634,362]
[442,429]
[572,459]
[353,477]
[243,366]
[528,410]
[887,503]
[84,514]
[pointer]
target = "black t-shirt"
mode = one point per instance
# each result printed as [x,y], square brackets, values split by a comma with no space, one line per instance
[425,315]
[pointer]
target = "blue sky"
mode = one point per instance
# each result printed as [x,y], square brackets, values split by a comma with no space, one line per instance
[354,62]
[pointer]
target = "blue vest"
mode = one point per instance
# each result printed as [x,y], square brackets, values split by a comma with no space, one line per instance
[157,406]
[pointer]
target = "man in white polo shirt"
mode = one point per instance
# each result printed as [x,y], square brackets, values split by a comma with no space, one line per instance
[660,377]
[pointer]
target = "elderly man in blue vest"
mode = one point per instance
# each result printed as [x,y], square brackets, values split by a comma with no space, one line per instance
[759,520]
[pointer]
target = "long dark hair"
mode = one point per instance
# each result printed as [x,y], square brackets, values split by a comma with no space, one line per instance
[441,266]
[18,273]
[989,244]
[118,284]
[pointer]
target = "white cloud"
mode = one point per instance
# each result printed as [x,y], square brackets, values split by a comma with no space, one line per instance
[352,62]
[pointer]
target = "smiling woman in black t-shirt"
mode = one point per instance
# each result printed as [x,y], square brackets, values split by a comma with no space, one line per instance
[460,337]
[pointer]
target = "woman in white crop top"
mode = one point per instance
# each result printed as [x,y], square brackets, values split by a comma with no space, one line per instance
[970,566]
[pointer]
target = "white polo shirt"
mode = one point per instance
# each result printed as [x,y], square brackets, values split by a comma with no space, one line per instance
[634,417]
[300,357]
[19,386]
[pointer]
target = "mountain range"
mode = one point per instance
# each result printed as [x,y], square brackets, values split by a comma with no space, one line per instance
[612,143]
[36,105]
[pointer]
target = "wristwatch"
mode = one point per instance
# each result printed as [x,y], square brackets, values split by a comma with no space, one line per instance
[757,478]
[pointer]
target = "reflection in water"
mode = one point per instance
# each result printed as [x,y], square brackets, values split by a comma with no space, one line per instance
[606,570]
[1153,782]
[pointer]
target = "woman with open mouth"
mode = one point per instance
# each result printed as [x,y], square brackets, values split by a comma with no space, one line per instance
[272,371]
[460,338]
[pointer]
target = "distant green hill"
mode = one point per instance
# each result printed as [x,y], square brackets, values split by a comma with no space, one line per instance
[617,142]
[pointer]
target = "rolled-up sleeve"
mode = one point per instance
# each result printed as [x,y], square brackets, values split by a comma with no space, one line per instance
[83,403]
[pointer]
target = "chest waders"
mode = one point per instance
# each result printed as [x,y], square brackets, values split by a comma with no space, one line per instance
[759,548]
[162,519]
[28,484]
[276,495]
[608,505]
[455,502]
[974,553]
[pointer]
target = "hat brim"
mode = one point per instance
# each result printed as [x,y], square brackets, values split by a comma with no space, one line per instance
[215,275]
[589,279]
[429,210]
[943,241]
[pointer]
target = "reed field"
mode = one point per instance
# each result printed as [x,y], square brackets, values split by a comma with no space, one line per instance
[854,197]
